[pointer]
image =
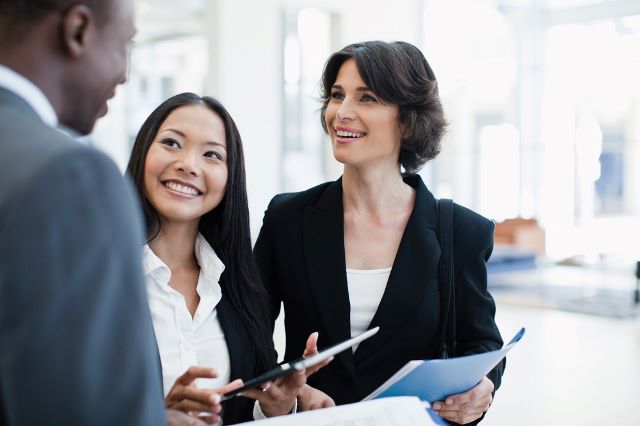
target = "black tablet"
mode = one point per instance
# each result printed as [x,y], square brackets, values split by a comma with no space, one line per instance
[300,364]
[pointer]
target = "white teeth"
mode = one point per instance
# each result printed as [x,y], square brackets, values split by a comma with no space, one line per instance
[343,134]
[181,188]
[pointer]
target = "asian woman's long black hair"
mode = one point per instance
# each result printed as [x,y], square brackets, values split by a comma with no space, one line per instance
[226,227]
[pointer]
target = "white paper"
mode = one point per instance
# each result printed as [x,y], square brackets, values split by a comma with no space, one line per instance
[397,411]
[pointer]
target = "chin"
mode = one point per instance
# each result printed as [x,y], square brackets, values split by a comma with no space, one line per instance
[342,157]
[81,128]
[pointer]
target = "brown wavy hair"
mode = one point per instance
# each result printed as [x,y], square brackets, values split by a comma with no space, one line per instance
[398,74]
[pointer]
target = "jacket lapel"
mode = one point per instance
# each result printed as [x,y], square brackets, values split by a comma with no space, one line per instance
[240,346]
[416,260]
[324,253]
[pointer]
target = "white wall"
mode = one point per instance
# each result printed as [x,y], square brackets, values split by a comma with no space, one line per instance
[246,70]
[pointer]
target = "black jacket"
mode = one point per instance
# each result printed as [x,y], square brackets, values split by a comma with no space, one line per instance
[300,251]
[243,357]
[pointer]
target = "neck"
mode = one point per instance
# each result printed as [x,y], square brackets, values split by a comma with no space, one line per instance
[375,190]
[35,57]
[175,245]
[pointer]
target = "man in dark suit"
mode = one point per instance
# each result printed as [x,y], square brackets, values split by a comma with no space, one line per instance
[76,342]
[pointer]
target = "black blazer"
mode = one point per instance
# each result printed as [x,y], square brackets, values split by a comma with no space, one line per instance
[243,357]
[300,251]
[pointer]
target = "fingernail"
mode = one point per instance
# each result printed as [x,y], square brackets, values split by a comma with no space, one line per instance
[215,399]
[449,401]
[213,372]
[266,386]
[436,406]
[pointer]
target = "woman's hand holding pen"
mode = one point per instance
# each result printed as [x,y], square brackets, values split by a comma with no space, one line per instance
[467,406]
[278,397]
[186,397]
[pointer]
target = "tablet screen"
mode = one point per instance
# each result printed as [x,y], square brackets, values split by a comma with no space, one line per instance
[301,363]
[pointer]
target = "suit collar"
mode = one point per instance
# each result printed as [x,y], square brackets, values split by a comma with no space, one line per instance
[30,93]
[324,253]
[415,261]
[242,350]
[424,207]
[415,265]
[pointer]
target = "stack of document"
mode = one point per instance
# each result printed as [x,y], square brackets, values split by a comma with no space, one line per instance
[399,411]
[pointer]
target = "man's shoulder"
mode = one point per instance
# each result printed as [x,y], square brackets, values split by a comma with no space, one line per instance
[37,156]
[27,143]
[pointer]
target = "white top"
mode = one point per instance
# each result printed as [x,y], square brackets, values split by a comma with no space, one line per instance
[11,80]
[184,341]
[366,287]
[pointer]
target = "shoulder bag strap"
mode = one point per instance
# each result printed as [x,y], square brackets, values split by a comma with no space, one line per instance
[446,277]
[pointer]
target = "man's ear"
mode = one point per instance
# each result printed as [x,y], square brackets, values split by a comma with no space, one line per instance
[77,23]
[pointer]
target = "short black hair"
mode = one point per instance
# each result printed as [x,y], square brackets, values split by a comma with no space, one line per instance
[17,16]
[398,73]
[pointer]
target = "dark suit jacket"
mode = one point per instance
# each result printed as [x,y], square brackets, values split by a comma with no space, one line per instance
[300,251]
[76,341]
[243,358]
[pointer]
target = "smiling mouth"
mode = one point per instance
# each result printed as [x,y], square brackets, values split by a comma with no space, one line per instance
[349,135]
[183,189]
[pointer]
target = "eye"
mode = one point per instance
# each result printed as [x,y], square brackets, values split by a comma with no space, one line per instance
[172,143]
[368,98]
[213,154]
[337,95]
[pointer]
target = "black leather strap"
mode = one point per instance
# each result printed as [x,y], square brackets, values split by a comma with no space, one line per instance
[446,279]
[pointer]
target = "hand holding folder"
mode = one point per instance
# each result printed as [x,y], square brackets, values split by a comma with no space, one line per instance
[434,380]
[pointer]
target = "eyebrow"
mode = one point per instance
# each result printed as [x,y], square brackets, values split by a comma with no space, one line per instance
[212,143]
[358,89]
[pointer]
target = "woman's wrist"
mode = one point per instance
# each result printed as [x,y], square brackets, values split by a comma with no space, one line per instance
[261,410]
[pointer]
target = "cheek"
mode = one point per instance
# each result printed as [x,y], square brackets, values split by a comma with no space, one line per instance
[151,172]
[329,114]
[217,182]
[390,127]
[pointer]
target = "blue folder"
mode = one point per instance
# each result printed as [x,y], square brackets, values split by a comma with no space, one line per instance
[434,380]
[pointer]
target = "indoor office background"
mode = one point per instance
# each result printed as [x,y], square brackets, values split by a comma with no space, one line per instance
[543,101]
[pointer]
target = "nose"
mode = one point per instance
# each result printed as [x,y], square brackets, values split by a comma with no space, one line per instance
[187,164]
[345,111]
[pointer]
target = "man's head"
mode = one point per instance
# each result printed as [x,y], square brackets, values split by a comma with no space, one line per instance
[75,51]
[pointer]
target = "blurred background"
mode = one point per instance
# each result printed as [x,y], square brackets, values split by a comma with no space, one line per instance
[543,101]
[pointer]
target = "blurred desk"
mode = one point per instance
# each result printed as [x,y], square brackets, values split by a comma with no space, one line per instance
[596,290]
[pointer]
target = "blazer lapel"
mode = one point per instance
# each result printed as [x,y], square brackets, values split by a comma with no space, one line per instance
[416,260]
[239,345]
[324,253]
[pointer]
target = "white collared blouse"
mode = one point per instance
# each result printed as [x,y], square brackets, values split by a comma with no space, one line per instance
[186,341]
